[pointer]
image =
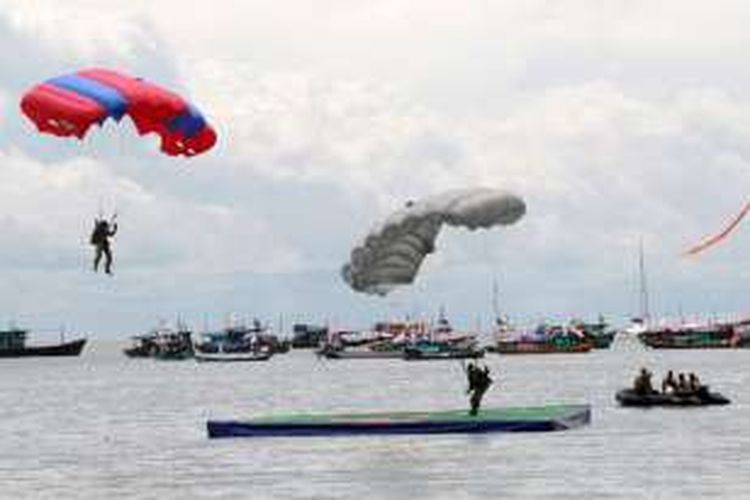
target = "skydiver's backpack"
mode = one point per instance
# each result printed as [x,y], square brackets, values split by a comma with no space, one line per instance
[99,234]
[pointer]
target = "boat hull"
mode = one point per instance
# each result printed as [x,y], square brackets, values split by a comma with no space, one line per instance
[686,344]
[362,354]
[231,357]
[539,348]
[138,352]
[72,348]
[527,419]
[419,355]
[628,397]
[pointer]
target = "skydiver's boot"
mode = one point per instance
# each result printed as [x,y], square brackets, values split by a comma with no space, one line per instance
[108,261]
[474,401]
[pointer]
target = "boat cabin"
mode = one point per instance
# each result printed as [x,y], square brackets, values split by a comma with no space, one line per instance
[12,339]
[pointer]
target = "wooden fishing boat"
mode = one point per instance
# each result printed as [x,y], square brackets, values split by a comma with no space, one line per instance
[729,335]
[13,345]
[598,334]
[142,346]
[518,419]
[173,345]
[239,343]
[306,336]
[544,339]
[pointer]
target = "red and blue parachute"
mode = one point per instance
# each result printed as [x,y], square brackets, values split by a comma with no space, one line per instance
[68,105]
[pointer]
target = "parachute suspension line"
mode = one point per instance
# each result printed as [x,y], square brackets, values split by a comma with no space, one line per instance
[491,263]
[418,294]
[394,307]
[121,145]
[101,214]
[495,298]
[643,300]
[716,238]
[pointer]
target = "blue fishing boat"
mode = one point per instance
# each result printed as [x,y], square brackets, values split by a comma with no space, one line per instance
[237,343]
[173,345]
[518,419]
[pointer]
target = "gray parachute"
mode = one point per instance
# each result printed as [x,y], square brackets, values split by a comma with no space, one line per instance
[390,255]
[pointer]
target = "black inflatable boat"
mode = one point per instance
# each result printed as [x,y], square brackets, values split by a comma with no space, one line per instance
[629,397]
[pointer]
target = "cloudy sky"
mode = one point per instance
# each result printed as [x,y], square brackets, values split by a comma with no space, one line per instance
[616,121]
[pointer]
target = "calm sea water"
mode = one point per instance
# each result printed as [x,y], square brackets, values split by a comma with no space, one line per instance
[104,426]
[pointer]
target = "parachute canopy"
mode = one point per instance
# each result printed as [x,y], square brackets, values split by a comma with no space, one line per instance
[68,105]
[392,252]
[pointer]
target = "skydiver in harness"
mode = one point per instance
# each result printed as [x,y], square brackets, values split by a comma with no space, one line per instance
[479,381]
[103,230]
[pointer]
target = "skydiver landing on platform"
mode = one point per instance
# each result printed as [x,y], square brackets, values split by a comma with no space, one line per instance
[103,230]
[479,381]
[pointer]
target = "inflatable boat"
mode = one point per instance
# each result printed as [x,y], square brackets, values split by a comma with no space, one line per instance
[703,397]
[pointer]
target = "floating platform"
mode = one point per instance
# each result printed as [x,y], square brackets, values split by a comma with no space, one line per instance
[518,419]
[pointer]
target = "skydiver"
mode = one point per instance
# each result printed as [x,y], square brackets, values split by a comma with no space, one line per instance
[103,230]
[479,381]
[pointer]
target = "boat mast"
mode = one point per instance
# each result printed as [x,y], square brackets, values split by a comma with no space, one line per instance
[495,298]
[644,312]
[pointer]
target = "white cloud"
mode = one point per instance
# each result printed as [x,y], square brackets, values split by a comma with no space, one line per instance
[357,135]
[599,165]
[565,142]
[83,30]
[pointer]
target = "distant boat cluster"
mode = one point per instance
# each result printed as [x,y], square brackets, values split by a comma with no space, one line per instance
[234,343]
[408,340]
[405,340]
